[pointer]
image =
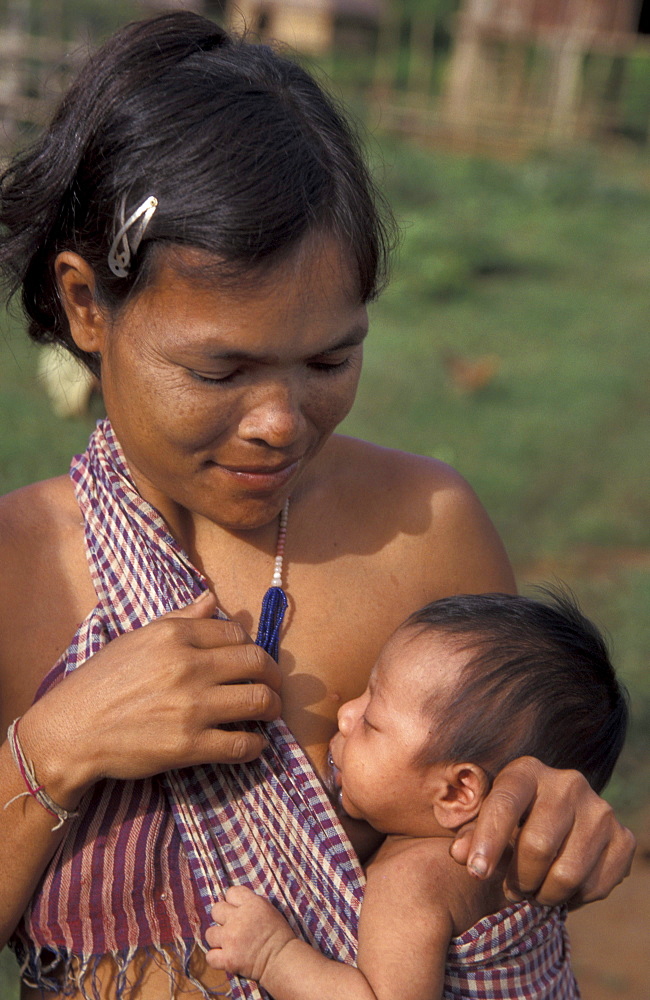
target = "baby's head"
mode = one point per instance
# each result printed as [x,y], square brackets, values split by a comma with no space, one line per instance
[464,686]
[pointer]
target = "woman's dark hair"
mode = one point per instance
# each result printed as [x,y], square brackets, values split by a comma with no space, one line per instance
[242,148]
[539,683]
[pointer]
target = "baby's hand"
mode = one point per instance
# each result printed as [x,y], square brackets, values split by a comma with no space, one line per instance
[248,934]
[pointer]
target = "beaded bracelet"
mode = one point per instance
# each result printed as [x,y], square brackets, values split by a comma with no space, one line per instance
[33,788]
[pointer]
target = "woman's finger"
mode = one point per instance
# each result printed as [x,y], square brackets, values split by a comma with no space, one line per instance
[227,747]
[511,796]
[221,647]
[595,857]
[227,703]
[202,606]
[248,662]
[204,633]
[543,845]
[213,936]
[612,868]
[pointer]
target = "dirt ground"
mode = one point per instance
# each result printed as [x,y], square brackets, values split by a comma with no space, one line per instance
[611,939]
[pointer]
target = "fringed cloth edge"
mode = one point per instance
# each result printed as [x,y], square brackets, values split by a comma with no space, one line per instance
[68,975]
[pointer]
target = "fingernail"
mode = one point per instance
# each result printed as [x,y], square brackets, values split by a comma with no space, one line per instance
[478,865]
[512,896]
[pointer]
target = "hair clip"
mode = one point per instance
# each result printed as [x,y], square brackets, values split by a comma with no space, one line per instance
[125,245]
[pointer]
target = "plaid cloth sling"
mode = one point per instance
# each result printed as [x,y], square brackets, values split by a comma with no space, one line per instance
[129,877]
[519,953]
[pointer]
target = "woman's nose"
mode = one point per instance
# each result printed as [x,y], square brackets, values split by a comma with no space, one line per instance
[274,416]
[350,713]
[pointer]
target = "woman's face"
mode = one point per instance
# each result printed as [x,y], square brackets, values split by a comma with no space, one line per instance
[220,397]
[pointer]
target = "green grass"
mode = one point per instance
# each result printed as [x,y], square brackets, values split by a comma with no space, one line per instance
[544,265]
[33,443]
[9,989]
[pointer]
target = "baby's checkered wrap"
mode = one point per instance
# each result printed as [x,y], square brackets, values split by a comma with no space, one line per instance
[518,953]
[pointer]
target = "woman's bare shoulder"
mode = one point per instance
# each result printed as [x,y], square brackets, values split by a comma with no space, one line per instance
[375,456]
[438,523]
[376,469]
[41,535]
[38,513]
[45,586]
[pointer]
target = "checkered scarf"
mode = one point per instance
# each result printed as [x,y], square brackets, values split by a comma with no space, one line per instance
[520,952]
[267,824]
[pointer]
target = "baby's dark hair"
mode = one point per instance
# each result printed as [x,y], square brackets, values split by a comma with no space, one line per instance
[244,151]
[539,682]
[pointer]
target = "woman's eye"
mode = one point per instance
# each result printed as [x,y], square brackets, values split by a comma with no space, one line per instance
[331,366]
[214,379]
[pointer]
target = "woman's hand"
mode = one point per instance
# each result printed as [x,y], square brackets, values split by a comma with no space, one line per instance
[568,845]
[151,700]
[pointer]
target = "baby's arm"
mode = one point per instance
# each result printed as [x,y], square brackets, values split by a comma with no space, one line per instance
[255,941]
[403,941]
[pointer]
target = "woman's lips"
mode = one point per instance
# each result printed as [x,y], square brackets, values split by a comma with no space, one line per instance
[259,477]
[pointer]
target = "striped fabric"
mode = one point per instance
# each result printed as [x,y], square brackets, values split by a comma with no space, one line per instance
[141,866]
[519,953]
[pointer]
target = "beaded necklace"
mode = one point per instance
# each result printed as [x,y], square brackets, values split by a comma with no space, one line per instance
[274,603]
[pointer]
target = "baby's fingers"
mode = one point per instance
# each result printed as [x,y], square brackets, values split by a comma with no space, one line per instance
[218,956]
[213,936]
[221,910]
[216,959]
[239,895]
[236,895]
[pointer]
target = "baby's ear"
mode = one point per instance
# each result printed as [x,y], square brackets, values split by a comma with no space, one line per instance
[459,794]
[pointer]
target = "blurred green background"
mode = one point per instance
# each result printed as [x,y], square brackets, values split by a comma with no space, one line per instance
[512,343]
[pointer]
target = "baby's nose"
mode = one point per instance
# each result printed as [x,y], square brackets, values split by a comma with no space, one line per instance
[349,712]
[343,718]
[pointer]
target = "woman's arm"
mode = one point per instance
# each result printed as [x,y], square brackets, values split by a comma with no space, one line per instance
[149,701]
[26,845]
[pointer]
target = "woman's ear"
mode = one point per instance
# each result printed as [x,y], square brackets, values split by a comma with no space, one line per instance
[76,283]
[459,794]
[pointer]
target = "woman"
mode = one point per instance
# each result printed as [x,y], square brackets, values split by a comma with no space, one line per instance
[197,225]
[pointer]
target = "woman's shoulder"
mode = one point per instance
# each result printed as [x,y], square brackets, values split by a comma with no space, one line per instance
[375,467]
[41,542]
[37,513]
[45,586]
[437,525]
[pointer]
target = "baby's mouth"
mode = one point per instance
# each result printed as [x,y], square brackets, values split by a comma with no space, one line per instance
[334,784]
[333,773]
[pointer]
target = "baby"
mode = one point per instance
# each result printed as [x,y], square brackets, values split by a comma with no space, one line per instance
[465,685]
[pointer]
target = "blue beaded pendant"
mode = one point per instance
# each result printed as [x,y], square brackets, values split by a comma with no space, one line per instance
[274,606]
[275,601]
